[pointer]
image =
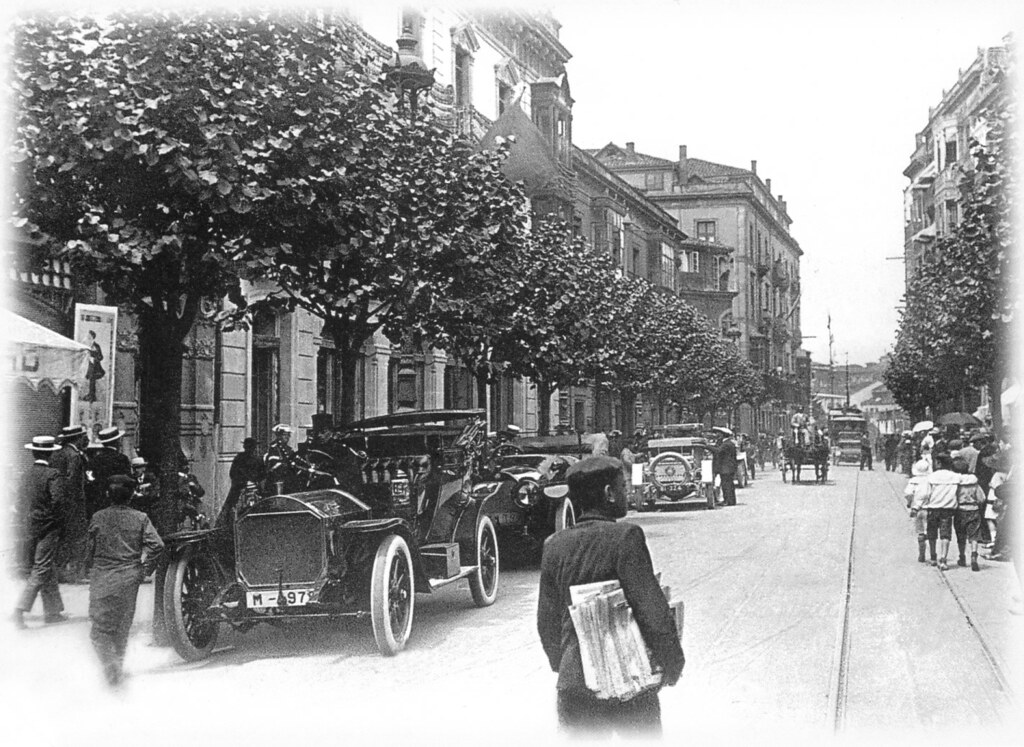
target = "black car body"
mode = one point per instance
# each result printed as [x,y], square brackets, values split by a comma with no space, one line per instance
[407,519]
[533,501]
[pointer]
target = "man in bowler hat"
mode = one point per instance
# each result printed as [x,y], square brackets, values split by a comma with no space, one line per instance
[124,548]
[596,549]
[43,509]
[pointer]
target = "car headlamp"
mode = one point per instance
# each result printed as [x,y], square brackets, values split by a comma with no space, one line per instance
[526,493]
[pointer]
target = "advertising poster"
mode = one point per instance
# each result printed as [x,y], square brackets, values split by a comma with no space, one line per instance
[93,403]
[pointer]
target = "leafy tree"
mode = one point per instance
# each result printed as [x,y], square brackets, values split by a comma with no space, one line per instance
[141,148]
[955,328]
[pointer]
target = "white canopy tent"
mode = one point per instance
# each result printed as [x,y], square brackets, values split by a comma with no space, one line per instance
[39,356]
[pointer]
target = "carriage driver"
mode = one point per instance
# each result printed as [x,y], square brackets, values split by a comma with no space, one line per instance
[799,425]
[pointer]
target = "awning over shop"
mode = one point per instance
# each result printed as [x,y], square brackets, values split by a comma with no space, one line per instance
[39,356]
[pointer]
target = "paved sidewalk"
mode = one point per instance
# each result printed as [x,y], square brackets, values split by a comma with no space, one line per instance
[986,599]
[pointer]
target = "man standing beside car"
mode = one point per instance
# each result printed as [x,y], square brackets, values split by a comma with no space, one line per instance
[596,549]
[724,464]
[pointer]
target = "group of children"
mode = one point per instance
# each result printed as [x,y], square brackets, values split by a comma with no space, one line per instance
[944,497]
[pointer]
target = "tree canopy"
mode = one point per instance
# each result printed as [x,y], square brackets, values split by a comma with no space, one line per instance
[958,310]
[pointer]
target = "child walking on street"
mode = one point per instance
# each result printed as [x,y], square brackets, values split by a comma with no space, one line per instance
[916,493]
[943,484]
[967,520]
[123,549]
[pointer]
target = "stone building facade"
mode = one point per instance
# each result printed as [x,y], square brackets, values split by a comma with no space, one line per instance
[931,199]
[726,206]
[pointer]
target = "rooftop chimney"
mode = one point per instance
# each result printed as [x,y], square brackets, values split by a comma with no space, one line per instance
[768,185]
[683,167]
[630,148]
[753,166]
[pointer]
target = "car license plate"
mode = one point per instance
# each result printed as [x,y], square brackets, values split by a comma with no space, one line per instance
[265,599]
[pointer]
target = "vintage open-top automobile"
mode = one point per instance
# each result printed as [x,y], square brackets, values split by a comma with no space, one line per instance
[672,473]
[406,519]
[533,501]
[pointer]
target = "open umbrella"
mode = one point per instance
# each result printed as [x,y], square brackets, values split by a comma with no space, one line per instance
[963,419]
[924,425]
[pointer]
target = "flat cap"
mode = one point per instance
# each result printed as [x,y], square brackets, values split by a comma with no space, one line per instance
[586,471]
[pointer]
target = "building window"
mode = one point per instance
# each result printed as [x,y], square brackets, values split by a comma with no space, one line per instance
[706,231]
[654,180]
[405,383]
[636,261]
[328,381]
[462,77]
[694,261]
[950,152]
[668,266]
[459,388]
[618,237]
[952,214]
[724,267]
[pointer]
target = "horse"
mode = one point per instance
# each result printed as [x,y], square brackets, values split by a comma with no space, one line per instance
[796,455]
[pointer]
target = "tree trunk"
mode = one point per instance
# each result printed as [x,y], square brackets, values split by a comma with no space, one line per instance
[995,400]
[349,366]
[544,390]
[480,374]
[161,350]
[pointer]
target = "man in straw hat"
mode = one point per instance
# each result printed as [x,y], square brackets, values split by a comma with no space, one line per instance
[72,464]
[104,464]
[124,548]
[43,501]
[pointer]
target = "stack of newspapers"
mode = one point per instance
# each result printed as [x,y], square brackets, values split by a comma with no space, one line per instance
[616,662]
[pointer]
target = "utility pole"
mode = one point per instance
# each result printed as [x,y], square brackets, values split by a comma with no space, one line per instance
[847,381]
[831,361]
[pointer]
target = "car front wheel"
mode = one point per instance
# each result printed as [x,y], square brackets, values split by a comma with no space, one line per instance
[190,586]
[483,583]
[392,592]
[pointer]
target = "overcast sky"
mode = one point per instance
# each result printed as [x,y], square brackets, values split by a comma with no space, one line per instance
[826,96]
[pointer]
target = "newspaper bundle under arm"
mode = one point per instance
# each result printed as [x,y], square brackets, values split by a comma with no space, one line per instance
[616,662]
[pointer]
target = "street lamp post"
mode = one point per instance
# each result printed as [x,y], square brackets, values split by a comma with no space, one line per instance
[407,73]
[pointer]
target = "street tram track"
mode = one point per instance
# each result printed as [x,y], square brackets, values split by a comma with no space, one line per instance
[836,713]
[965,609]
[839,678]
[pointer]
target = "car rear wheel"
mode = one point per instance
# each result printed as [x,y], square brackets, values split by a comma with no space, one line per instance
[190,586]
[483,583]
[565,515]
[392,592]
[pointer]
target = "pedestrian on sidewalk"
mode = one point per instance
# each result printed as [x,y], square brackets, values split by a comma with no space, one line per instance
[968,517]
[865,452]
[124,548]
[72,464]
[43,512]
[916,494]
[943,484]
[596,549]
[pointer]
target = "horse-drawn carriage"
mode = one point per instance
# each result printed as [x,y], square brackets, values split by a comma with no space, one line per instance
[795,456]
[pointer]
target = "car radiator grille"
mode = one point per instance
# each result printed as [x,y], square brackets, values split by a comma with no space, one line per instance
[280,547]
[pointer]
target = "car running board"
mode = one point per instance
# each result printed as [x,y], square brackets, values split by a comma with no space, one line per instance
[464,572]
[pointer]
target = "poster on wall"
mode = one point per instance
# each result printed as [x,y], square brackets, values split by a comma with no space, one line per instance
[93,402]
